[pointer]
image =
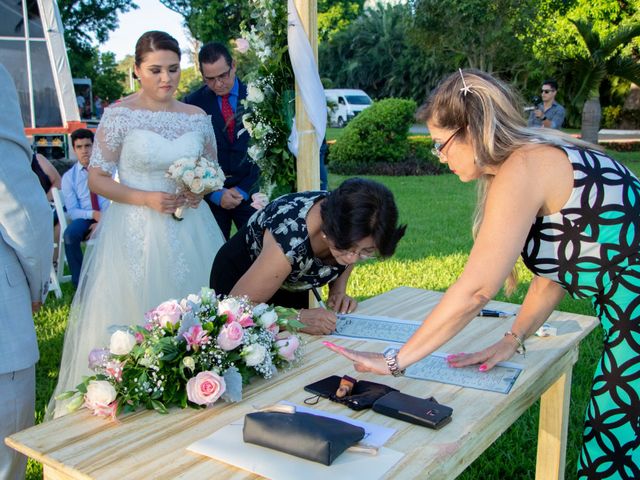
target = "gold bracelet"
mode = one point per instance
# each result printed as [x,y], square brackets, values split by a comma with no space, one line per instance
[522,350]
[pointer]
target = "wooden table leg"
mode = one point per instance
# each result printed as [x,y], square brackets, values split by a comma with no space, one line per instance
[552,429]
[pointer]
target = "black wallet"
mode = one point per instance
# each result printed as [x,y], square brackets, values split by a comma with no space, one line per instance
[421,411]
[363,395]
[315,438]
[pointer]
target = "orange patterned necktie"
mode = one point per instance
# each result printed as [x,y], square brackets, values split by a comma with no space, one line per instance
[228,116]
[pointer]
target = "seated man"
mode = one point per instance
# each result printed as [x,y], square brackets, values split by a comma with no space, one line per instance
[83,207]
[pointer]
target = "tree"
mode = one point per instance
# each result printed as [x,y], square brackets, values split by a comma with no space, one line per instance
[336,15]
[108,81]
[86,21]
[604,57]
[208,21]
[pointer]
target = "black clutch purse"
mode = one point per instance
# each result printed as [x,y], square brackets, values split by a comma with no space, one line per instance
[363,395]
[315,438]
[421,411]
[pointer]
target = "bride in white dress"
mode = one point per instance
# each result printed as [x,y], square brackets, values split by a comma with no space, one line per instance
[142,256]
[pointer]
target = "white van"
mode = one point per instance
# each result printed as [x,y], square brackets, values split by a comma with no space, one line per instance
[344,104]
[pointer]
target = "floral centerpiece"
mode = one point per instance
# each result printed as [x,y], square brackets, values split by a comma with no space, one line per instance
[189,352]
[196,175]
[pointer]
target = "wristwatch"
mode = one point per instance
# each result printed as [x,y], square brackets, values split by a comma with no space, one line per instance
[391,357]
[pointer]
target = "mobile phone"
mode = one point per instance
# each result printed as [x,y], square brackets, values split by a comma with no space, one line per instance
[324,387]
[421,411]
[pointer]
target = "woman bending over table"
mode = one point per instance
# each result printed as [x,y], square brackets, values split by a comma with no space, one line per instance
[572,213]
[306,240]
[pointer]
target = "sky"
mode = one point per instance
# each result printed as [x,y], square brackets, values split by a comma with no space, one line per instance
[151,15]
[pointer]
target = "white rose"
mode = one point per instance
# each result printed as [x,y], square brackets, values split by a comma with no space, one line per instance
[260,309]
[254,354]
[255,152]
[99,392]
[247,123]
[268,318]
[231,307]
[188,177]
[199,172]
[196,185]
[190,163]
[121,342]
[254,94]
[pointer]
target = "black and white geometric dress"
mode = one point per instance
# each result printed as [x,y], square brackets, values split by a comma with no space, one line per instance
[592,249]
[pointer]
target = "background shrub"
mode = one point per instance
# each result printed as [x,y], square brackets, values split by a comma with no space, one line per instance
[418,161]
[377,134]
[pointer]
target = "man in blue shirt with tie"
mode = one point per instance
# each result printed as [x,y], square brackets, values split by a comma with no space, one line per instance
[83,207]
[221,97]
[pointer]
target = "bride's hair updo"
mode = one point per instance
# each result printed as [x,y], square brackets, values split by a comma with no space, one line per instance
[154,41]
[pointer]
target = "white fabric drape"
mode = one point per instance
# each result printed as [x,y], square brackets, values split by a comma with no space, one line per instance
[307,77]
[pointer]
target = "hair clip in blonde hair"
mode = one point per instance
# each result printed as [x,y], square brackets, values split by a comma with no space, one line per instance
[466,88]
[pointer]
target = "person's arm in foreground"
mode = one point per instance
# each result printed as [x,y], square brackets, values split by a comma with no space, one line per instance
[517,193]
[266,276]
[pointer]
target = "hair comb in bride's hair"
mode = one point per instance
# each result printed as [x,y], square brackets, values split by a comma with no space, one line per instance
[466,88]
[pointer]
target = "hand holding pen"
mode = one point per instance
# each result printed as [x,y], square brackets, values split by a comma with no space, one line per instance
[338,302]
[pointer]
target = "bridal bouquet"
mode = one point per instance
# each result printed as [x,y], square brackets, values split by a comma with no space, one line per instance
[197,175]
[189,352]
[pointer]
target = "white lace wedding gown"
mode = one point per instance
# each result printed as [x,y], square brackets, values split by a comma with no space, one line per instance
[141,257]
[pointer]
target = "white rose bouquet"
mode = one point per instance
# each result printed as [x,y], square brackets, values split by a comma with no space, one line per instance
[196,175]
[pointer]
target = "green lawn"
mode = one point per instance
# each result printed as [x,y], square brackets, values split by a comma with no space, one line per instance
[438,213]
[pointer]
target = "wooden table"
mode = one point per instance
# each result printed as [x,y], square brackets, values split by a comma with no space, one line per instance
[145,445]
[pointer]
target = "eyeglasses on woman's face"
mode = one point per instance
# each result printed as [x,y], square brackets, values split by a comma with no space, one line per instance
[362,254]
[439,147]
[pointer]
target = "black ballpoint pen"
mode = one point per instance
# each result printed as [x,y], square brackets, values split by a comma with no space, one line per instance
[494,313]
[318,297]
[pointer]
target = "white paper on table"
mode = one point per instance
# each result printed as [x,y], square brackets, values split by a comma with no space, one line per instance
[374,436]
[368,327]
[226,445]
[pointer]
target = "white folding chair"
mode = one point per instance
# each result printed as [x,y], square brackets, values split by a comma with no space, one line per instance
[62,220]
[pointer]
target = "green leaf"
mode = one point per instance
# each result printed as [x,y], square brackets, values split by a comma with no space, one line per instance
[159,407]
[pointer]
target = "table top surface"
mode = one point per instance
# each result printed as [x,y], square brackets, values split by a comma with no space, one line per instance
[145,444]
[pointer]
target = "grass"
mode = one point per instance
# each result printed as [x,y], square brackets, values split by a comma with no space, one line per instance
[438,213]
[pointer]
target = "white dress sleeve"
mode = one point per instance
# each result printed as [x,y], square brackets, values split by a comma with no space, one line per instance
[210,148]
[109,137]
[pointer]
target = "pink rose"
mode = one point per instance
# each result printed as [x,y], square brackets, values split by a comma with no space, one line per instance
[98,357]
[106,410]
[259,200]
[205,388]
[242,45]
[167,312]
[287,347]
[139,337]
[230,336]
[195,337]
[246,320]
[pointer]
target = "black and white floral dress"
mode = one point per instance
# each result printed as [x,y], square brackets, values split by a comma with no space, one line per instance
[286,219]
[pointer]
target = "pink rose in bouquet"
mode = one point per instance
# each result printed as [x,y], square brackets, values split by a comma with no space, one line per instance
[242,45]
[230,336]
[166,312]
[231,307]
[205,388]
[288,346]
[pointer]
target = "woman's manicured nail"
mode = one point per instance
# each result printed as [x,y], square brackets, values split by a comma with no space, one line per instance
[483,368]
[451,357]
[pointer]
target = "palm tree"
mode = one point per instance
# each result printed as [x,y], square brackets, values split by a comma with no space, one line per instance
[604,58]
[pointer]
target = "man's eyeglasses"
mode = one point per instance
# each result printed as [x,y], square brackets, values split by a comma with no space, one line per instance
[544,90]
[438,147]
[223,77]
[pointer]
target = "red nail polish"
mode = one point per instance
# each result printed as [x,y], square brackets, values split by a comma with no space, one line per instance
[329,344]
[483,368]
